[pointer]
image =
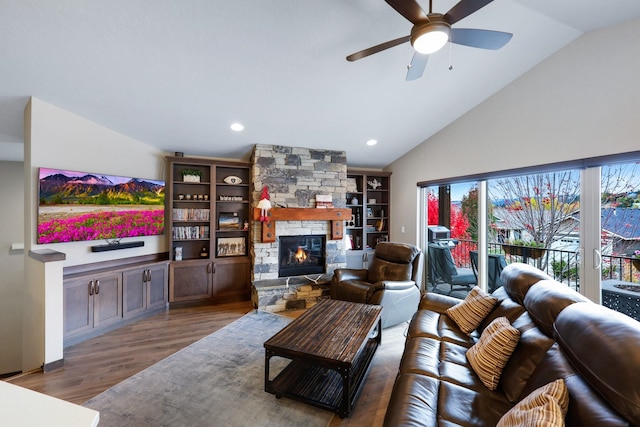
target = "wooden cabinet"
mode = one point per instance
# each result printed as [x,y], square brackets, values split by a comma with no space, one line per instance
[190,280]
[232,278]
[144,288]
[111,295]
[208,230]
[368,197]
[91,302]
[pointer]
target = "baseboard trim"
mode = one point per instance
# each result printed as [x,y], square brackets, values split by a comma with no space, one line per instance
[48,367]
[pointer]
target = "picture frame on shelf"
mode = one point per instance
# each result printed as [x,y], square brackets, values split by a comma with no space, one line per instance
[228,221]
[231,246]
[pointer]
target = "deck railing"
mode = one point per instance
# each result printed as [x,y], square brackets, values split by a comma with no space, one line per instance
[562,265]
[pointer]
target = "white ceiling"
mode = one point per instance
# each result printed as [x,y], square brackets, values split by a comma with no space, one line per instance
[176,74]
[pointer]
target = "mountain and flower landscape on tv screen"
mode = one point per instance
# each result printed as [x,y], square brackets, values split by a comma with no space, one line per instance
[79,206]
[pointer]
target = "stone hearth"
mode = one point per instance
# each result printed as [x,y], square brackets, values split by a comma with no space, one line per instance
[300,293]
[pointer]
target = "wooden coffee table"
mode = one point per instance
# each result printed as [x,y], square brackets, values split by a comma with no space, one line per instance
[330,347]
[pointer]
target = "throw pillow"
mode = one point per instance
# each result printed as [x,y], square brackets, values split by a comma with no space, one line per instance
[491,353]
[468,313]
[546,406]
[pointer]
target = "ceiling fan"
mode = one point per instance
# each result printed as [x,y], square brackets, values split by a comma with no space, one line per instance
[432,31]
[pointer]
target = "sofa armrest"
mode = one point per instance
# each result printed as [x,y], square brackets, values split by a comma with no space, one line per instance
[437,302]
[343,274]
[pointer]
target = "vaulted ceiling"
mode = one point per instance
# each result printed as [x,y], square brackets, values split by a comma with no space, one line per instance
[176,74]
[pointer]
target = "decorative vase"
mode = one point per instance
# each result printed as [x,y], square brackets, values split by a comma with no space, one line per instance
[190,178]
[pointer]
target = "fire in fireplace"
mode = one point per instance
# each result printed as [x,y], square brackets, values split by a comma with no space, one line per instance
[301,255]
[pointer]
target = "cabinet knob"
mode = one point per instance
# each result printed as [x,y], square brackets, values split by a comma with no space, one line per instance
[92,288]
[97,287]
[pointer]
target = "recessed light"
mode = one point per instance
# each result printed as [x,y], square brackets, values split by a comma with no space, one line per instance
[372,142]
[238,127]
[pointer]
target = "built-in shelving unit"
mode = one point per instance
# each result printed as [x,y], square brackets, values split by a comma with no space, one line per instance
[208,229]
[368,197]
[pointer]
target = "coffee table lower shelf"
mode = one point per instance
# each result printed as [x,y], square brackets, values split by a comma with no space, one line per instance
[322,386]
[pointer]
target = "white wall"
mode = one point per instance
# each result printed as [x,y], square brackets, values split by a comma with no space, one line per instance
[62,140]
[11,265]
[58,139]
[582,102]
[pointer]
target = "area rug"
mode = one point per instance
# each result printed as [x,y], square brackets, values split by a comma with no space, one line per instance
[217,381]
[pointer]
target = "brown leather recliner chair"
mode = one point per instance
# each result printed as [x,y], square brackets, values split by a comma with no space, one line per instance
[393,280]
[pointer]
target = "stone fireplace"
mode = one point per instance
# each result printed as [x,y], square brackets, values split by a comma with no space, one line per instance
[294,176]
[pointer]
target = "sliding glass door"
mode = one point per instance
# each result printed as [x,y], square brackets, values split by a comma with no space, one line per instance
[580,226]
[534,219]
[620,237]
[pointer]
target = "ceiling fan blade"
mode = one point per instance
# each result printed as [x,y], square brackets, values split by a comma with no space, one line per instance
[377,48]
[483,39]
[417,66]
[463,9]
[410,9]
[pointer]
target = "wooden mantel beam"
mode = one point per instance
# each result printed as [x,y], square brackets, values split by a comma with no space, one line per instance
[337,216]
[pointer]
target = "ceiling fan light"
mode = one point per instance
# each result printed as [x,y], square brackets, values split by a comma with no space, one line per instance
[430,38]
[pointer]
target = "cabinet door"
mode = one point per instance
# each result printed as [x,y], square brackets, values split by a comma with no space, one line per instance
[107,300]
[78,306]
[157,282]
[190,280]
[231,278]
[134,296]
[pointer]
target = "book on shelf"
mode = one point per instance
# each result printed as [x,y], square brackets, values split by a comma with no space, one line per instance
[181,214]
[191,232]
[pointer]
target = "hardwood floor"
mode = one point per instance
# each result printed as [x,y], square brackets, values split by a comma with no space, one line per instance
[95,365]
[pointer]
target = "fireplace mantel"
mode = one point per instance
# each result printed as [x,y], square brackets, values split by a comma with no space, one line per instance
[337,216]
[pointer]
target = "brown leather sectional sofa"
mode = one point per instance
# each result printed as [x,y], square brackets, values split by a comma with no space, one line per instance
[562,335]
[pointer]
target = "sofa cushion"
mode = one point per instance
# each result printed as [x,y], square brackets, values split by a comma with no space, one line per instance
[505,307]
[381,269]
[586,406]
[414,400]
[392,261]
[546,300]
[427,323]
[545,406]
[519,277]
[469,312]
[421,355]
[419,400]
[611,369]
[397,252]
[531,349]
[491,353]
[462,406]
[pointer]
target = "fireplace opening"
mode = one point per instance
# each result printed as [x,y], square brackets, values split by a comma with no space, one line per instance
[301,255]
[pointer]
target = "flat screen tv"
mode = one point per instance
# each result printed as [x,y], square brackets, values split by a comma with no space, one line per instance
[80,206]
